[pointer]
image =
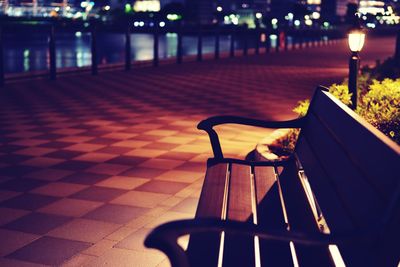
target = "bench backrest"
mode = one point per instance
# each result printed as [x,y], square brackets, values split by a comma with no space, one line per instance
[354,173]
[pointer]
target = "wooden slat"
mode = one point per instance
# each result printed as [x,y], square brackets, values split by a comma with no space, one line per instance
[367,187]
[358,196]
[203,249]
[270,216]
[212,194]
[301,218]
[324,191]
[367,146]
[239,250]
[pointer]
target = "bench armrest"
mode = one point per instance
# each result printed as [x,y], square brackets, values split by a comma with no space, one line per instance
[165,236]
[208,124]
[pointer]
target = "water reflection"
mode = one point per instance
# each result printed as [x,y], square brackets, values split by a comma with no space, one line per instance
[29,52]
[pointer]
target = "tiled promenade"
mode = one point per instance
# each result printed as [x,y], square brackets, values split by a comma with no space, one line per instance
[88,165]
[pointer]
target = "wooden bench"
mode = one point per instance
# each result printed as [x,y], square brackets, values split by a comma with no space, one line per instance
[334,202]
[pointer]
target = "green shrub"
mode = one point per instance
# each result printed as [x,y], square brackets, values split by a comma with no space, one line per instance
[379,104]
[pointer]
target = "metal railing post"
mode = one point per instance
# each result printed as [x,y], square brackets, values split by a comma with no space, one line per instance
[179,45]
[94,50]
[301,39]
[267,42]
[1,58]
[200,45]
[232,44]
[52,54]
[155,45]
[257,48]
[286,45]
[244,36]
[216,52]
[128,49]
[278,41]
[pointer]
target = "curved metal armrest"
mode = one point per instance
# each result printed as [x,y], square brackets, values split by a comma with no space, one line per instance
[218,120]
[208,124]
[164,237]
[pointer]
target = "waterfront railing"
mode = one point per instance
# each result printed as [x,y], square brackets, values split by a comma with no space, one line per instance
[241,41]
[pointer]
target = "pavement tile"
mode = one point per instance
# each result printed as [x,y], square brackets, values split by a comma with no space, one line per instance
[17,171]
[145,152]
[119,214]
[49,174]
[35,151]
[164,164]
[95,157]
[84,230]
[85,178]
[78,260]
[74,165]
[122,182]
[165,187]
[143,172]
[188,205]
[177,155]
[6,194]
[9,215]
[5,262]
[58,189]
[134,241]
[129,160]
[97,193]
[42,162]
[168,217]
[64,154]
[108,168]
[125,258]
[161,146]
[131,144]
[85,147]
[193,167]
[140,199]
[49,251]
[180,176]
[115,150]
[21,185]
[56,144]
[13,240]
[13,158]
[70,207]
[37,223]
[28,201]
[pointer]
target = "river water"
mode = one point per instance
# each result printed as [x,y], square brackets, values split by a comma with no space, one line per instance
[29,52]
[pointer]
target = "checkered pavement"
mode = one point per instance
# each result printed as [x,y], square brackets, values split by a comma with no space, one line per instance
[89,165]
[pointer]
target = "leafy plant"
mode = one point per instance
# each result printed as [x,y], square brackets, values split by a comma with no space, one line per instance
[379,104]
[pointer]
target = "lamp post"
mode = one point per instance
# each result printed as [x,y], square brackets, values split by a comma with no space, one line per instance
[356,40]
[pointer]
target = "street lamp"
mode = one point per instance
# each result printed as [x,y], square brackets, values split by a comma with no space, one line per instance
[356,40]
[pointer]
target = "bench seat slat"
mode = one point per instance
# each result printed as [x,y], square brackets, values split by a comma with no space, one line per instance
[270,216]
[300,217]
[203,249]
[239,250]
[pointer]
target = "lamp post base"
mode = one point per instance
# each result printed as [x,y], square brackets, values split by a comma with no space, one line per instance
[353,72]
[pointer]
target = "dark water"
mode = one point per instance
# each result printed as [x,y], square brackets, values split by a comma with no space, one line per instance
[29,52]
